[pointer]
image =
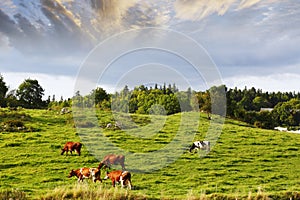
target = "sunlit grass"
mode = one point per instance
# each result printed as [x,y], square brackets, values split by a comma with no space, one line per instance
[245,162]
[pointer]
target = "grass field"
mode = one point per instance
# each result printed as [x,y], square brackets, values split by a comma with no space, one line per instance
[245,161]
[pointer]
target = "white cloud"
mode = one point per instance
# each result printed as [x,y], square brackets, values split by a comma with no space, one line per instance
[252,35]
[199,9]
[60,86]
[284,82]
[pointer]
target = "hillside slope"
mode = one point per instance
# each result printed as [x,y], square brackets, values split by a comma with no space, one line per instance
[244,160]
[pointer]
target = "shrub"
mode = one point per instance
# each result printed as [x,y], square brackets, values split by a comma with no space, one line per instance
[85,124]
[14,123]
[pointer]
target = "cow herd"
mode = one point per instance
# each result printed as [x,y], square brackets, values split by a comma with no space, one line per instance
[116,176]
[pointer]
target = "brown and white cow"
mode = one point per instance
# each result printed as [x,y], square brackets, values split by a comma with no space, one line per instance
[119,176]
[71,146]
[85,172]
[112,159]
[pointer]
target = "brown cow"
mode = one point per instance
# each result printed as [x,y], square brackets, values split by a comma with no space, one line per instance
[120,176]
[86,172]
[112,159]
[71,146]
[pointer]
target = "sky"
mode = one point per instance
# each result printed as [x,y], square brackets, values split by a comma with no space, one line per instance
[192,43]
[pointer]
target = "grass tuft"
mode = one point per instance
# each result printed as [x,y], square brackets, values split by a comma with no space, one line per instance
[12,194]
[91,192]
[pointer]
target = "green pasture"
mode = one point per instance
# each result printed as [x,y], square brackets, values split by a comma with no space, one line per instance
[244,161]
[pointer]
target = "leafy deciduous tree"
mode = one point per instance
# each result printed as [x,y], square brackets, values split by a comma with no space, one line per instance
[30,94]
[3,91]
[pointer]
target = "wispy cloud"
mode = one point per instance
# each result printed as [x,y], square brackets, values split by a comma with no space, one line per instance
[285,82]
[199,9]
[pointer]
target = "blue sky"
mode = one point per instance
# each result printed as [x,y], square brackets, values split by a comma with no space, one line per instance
[250,43]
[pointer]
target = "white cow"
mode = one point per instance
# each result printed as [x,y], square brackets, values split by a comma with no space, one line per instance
[205,145]
[109,125]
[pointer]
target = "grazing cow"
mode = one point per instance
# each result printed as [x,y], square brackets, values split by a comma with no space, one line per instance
[119,176]
[85,172]
[205,145]
[109,125]
[118,125]
[65,111]
[71,146]
[112,159]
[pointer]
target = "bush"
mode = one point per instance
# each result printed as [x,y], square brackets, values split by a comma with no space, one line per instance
[257,124]
[14,123]
[16,126]
[85,124]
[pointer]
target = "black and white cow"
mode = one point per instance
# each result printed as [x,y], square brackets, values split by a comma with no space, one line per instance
[205,145]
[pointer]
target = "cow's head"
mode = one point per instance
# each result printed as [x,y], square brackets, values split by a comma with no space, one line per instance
[62,151]
[103,165]
[72,173]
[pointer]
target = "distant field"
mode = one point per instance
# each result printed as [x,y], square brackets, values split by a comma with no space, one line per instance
[245,160]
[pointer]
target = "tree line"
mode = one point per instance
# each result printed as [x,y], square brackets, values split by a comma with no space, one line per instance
[241,104]
[29,94]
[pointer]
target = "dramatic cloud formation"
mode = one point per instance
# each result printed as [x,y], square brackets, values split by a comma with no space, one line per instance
[199,9]
[247,39]
[112,13]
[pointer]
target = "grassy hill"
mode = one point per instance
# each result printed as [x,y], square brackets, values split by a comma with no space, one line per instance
[246,162]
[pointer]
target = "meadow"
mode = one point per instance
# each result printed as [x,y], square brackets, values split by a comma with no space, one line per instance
[245,163]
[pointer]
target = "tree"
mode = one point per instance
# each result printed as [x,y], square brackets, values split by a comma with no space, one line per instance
[30,94]
[3,91]
[100,95]
[77,99]
[260,102]
[218,100]
[11,99]
[288,113]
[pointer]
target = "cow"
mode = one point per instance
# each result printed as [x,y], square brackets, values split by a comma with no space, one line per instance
[112,159]
[71,146]
[119,176]
[64,111]
[109,125]
[205,145]
[85,172]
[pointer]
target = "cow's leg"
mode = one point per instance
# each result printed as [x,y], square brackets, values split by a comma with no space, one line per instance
[99,179]
[122,181]
[80,178]
[192,148]
[129,184]
[96,178]
[113,182]
[123,166]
